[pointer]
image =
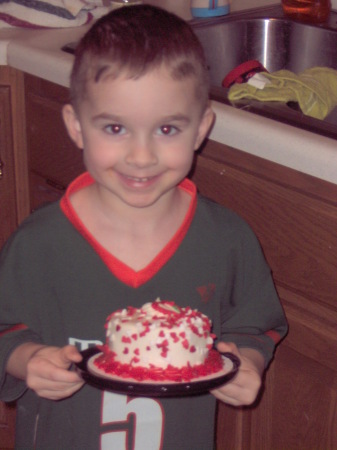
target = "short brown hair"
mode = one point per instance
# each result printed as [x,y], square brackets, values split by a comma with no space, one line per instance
[138,39]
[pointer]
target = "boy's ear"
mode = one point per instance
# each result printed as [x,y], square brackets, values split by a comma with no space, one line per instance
[206,123]
[73,125]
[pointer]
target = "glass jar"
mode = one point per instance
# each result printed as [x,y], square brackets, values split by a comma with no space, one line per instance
[314,11]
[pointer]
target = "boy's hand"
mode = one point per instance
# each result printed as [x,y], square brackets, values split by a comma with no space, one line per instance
[45,369]
[48,374]
[245,387]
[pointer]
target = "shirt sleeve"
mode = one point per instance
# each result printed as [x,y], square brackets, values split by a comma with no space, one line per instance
[16,288]
[255,318]
[10,387]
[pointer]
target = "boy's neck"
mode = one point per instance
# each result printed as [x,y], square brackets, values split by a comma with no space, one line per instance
[140,218]
[135,236]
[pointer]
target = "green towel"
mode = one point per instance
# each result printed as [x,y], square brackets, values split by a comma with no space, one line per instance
[314,89]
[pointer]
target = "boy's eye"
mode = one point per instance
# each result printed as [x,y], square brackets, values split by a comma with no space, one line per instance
[114,129]
[168,130]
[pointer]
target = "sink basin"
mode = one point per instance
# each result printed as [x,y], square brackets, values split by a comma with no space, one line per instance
[276,42]
[266,35]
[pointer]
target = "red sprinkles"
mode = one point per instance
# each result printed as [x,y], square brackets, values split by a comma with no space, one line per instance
[107,363]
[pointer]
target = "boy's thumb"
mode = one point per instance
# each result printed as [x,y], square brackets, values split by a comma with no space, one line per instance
[70,354]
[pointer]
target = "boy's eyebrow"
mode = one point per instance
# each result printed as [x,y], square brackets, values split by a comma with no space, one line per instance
[176,118]
[106,116]
[116,118]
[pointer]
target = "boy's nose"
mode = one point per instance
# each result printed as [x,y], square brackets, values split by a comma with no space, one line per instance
[141,153]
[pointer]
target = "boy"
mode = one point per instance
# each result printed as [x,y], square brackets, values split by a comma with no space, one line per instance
[130,230]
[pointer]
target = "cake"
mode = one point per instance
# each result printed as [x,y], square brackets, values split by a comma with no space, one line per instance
[159,341]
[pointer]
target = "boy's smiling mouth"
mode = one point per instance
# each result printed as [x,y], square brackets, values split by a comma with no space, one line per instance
[138,181]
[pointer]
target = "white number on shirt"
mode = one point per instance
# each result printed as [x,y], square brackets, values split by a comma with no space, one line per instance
[131,423]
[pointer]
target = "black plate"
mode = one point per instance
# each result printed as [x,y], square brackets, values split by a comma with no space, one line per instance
[198,386]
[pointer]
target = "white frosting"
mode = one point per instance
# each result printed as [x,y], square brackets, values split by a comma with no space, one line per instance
[159,334]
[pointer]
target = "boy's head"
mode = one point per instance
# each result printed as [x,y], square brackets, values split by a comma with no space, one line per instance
[133,41]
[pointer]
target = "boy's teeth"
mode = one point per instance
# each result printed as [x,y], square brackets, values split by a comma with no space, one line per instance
[140,180]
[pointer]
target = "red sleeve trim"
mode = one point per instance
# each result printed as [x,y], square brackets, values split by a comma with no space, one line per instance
[274,335]
[117,267]
[17,327]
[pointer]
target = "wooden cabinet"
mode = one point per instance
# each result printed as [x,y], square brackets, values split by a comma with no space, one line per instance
[54,161]
[295,219]
[7,177]
[13,190]
[7,426]
[13,156]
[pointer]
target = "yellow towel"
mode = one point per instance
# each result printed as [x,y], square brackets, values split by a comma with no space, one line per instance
[314,89]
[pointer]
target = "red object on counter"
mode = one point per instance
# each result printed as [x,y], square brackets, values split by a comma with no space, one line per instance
[243,72]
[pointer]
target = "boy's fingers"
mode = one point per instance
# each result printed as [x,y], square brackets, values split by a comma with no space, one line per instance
[58,384]
[65,377]
[228,347]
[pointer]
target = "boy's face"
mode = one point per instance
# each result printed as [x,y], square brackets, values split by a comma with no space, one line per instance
[139,135]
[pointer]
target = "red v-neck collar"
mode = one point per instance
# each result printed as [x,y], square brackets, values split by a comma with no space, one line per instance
[123,272]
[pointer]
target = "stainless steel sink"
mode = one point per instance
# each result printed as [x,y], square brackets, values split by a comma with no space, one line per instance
[266,35]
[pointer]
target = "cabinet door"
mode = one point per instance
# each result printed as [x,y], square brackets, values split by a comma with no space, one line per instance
[54,160]
[7,181]
[8,224]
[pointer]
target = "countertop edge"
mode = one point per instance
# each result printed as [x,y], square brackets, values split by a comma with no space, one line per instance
[287,147]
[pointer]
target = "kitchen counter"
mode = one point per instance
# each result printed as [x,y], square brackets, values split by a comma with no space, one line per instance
[8,35]
[38,52]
